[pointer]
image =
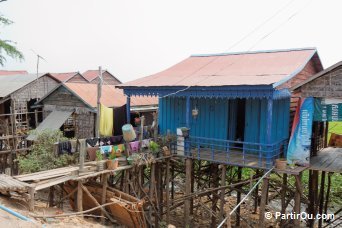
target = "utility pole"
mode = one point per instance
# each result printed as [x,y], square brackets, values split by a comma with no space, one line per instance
[99,93]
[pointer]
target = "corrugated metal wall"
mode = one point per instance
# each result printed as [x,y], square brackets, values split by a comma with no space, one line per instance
[211,122]
[215,115]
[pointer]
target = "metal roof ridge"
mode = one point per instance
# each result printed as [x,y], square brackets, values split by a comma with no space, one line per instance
[254,52]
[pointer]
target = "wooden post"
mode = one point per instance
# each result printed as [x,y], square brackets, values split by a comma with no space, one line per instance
[36,118]
[283,197]
[79,197]
[256,194]
[51,196]
[223,183]
[128,109]
[238,197]
[83,147]
[141,137]
[172,181]
[298,194]
[155,130]
[263,202]
[99,93]
[328,194]
[167,182]
[104,180]
[152,187]
[31,191]
[321,198]
[192,187]
[214,199]
[188,165]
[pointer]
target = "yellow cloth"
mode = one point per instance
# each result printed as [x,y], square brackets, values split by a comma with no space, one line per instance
[106,121]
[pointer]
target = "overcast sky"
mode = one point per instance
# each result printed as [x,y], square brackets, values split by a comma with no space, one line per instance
[133,39]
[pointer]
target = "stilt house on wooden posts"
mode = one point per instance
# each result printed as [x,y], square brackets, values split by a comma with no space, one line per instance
[17,93]
[236,105]
[71,107]
[326,89]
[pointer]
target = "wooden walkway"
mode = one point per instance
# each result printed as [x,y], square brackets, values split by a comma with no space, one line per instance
[235,158]
[328,159]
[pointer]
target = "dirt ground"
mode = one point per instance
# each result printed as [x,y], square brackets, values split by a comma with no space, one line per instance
[10,221]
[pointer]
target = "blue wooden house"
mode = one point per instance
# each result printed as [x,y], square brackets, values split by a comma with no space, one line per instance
[236,105]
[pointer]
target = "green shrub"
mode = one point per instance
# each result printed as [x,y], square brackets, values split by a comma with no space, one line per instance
[42,155]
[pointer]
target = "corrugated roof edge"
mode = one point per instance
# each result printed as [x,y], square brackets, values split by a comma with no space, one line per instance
[319,74]
[36,104]
[299,69]
[254,52]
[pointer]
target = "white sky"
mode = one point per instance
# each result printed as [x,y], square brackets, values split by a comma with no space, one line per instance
[133,39]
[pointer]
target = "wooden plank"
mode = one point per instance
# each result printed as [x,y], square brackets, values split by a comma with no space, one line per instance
[53,182]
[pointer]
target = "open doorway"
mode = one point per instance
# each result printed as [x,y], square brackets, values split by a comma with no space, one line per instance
[237,112]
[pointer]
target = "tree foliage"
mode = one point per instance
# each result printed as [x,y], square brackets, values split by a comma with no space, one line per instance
[42,155]
[7,47]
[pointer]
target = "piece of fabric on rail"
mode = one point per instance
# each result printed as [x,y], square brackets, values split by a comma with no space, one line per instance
[106,121]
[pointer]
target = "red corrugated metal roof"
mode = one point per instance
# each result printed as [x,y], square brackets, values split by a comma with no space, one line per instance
[90,74]
[12,72]
[63,77]
[111,96]
[250,68]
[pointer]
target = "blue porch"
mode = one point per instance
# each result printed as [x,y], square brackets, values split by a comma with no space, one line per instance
[236,125]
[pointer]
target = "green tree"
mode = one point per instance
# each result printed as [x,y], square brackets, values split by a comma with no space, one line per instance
[7,47]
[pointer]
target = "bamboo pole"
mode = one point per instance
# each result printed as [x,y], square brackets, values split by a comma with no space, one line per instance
[79,197]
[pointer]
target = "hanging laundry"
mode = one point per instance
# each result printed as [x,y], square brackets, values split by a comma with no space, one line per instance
[92,142]
[73,145]
[106,121]
[134,146]
[120,147]
[106,149]
[115,139]
[145,143]
[104,141]
[64,148]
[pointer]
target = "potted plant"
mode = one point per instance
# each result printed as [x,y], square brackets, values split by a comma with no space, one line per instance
[185,131]
[112,162]
[99,158]
[154,147]
[281,163]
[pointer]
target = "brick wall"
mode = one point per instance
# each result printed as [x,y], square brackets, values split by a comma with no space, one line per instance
[328,85]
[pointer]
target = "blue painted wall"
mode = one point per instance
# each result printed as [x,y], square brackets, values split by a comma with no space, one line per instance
[217,118]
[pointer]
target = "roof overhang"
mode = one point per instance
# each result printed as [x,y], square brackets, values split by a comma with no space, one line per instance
[265,91]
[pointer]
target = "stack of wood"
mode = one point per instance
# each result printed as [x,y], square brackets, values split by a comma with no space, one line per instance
[9,184]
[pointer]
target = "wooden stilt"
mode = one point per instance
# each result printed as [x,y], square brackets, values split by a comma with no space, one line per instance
[104,179]
[188,165]
[321,198]
[167,197]
[263,202]
[328,194]
[172,181]
[31,192]
[151,191]
[192,187]
[256,194]
[283,197]
[298,194]
[238,197]
[223,183]
[51,196]
[79,197]
[215,180]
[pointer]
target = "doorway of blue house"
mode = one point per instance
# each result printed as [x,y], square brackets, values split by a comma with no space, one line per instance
[236,126]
